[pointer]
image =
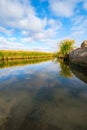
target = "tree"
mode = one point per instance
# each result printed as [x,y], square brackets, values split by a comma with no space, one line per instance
[65,47]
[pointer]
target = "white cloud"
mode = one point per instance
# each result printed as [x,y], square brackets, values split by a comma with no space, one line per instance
[22,16]
[55,24]
[10,43]
[6,31]
[79,24]
[52,27]
[49,33]
[27,40]
[40,49]
[65,8]
[3,40]
[51,30]
[77,20]
[33,24]
[39,36]
[62,7]
[10,9]
[85,5]
[77,34]
[25,33]
[78,29]
[11,39]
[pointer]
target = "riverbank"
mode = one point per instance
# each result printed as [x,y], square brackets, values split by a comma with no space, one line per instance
[13,54]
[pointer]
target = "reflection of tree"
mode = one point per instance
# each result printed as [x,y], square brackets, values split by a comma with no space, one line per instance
[65,70]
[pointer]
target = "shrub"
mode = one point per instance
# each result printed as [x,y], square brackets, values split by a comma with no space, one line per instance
[65,47]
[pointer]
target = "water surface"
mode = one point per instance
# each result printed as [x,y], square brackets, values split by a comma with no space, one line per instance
[45,96]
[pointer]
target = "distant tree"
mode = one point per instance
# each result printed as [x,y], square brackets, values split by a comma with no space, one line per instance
[65,47]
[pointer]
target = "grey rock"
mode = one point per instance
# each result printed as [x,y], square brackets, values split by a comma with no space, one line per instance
[84,43]
[79,56]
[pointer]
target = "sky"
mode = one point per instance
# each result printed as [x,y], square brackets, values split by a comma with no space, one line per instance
[40,25]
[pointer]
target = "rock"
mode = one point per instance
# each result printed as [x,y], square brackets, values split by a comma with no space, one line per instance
[79,56]
[84,43]
[79,71]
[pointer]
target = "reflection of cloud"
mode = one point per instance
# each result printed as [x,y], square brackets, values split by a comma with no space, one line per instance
[43,105]
[10,72]
[32,75]
[36,94]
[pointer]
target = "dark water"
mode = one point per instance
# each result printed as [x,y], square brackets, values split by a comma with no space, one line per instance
[43,96]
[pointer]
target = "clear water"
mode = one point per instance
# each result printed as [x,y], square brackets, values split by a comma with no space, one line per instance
[43,96]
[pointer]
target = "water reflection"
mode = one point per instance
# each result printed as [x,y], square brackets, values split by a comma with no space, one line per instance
[79,71]
[36,97]
[21,62]
[68,69]
[65,69]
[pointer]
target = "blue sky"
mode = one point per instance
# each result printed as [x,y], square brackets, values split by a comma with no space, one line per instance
[40,25]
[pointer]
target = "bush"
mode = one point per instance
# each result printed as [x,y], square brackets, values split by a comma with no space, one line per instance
[65,47]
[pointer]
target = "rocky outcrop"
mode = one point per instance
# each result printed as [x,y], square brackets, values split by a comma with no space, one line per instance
[84,43]
[79,56]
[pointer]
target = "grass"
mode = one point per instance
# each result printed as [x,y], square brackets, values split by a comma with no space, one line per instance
[10,54]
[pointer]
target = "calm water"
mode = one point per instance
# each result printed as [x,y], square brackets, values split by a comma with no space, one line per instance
[45,96]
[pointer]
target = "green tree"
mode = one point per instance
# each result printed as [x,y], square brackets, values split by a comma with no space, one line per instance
[65,47]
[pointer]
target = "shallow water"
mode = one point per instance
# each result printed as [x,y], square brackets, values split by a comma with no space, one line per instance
[45,96]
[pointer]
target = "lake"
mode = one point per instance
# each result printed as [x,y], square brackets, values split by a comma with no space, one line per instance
[43,95]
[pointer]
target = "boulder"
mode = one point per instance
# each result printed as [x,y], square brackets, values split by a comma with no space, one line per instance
[79,56]
[84,43]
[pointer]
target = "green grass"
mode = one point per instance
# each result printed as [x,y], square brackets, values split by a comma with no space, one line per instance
[10,54]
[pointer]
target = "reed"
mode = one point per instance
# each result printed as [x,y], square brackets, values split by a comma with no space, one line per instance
[10,54]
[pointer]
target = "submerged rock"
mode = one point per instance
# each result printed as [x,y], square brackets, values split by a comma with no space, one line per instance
[79,56]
